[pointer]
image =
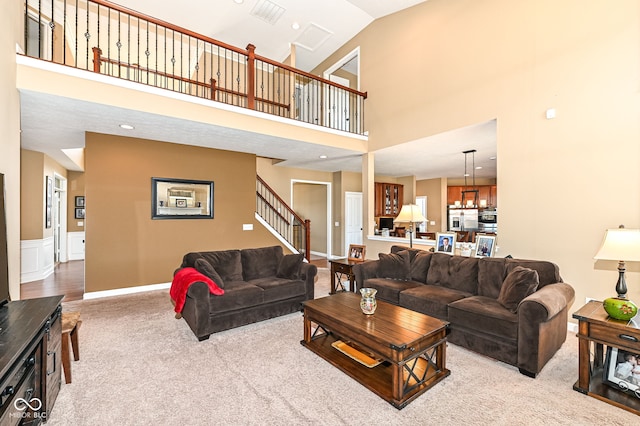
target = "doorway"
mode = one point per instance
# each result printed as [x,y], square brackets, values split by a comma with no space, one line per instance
[312,200]
[341,111]
[59,219]
[352,219]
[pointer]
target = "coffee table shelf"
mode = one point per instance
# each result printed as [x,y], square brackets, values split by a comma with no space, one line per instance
[411,345]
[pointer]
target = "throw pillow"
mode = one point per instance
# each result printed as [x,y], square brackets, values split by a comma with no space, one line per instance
[207,270]
[394,265]
[520,283]
[289,266]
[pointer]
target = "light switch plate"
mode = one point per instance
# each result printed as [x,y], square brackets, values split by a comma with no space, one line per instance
[247,226]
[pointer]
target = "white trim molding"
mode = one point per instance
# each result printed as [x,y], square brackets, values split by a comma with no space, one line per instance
[36,259]
[126,290]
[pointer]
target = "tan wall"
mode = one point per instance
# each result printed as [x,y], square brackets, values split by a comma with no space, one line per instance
[432,189]
[465,62]
[124,246]
[310,202]
[32,199]
[75,188]
[11,33]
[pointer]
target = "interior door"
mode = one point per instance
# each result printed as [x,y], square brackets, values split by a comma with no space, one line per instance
[352,218]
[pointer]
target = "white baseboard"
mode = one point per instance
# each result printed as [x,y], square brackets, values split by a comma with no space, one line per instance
[572,327]
[126,290]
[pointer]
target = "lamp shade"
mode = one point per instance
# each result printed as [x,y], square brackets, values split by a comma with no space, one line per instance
[410,213]
[620,244]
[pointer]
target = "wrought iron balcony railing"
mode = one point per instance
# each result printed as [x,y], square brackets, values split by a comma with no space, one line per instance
[103,37]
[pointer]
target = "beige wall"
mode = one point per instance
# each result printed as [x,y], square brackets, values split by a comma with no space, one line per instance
[10,33]
[564,180]
[124,246]
[433,189]
[310,202]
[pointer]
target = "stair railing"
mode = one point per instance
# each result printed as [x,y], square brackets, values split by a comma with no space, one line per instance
[284,221]
[100,36]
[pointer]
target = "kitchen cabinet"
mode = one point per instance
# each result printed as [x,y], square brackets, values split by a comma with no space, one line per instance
[388,199]
[485,192]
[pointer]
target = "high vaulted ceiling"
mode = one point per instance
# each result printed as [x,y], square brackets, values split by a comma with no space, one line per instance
[324,26]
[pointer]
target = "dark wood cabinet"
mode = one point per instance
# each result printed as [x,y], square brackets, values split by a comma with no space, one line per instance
[388,199]
[485,192]
[30,360]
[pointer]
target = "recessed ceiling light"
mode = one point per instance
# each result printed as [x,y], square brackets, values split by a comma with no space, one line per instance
[127,126]
[478,167]
[323,156]
[295,26]
[492,158]
[239,1]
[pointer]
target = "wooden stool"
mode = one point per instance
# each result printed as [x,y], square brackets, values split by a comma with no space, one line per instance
[70,325]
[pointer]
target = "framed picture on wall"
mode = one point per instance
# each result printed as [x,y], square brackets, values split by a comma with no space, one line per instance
[181,199]
[80,201]
[79,213]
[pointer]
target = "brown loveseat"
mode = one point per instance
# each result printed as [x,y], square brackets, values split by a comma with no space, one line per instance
[512,310]
[258,283]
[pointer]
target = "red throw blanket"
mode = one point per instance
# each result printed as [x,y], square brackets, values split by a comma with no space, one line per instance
[181,282]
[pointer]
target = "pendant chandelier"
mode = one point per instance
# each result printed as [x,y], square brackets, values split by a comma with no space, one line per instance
[470,195]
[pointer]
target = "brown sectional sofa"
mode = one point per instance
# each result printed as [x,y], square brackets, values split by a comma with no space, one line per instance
[522,324]
[258,283]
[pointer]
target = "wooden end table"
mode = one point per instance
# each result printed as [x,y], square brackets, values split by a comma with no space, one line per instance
[596,329]
[410,346]
[341,271]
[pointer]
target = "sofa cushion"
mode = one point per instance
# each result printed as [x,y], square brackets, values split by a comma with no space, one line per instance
[260,262]
[226,263]
[491,273]
[289,266]
[548,272]
[276,289]
[389,289]
[238,295]
[431,300]
[457,272]
[394,265]
[419,266]
[520,283]
[485,316]
[205,268]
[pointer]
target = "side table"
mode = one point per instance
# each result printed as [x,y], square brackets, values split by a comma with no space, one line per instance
[341,271]
[596,329]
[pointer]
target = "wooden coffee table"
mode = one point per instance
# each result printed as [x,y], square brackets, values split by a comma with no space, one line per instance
[410,346]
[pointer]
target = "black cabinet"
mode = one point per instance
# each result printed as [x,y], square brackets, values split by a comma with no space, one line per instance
[30,364]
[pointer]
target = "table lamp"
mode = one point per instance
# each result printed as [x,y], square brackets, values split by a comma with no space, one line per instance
[622,245]
[410,213]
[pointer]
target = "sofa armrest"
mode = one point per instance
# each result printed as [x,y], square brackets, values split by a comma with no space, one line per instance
[542,326]
[547,302]
[196,309]
[364,271]
[308,274]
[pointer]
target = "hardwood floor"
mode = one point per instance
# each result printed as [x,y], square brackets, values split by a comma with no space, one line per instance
[67,280]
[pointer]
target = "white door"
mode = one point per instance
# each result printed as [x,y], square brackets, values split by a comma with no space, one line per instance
[421,201]
[352,218]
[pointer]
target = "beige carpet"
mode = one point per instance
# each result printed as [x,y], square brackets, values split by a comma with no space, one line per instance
[141,366]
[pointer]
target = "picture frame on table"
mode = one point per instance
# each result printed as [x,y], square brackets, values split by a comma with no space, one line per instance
[181,203]
[356,253]
[485,245]
[622,371]
[446,243]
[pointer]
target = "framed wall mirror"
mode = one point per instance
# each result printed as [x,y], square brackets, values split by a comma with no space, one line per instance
[181,199]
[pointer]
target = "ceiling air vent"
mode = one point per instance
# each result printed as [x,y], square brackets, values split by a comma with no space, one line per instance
[268,11]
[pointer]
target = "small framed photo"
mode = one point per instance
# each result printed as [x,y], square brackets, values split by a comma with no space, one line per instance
[79,213]
[80,201]
[622,370]
[181,202]
[485,245]
[446,242]
[356,253]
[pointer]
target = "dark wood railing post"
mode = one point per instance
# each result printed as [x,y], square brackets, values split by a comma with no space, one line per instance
[251,76]
[213,89]
[307,239]
[97,53]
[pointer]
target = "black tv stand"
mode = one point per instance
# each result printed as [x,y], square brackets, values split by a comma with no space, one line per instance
[30,359]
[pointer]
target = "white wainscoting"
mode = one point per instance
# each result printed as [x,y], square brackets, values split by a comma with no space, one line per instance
[36,259]
[75,244]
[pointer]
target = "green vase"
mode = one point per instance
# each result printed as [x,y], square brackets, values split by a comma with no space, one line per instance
[619,308]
